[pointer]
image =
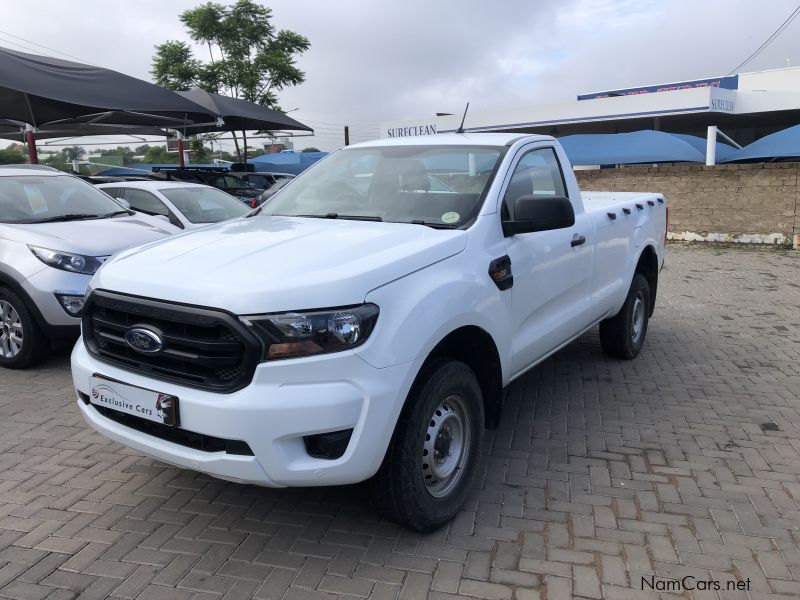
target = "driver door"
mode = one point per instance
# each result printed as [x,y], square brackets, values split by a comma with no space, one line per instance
[551,269]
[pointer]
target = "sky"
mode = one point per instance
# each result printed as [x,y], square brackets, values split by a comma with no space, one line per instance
[373,61]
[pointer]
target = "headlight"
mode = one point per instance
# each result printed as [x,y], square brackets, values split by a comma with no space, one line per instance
[74,263]
[293,334]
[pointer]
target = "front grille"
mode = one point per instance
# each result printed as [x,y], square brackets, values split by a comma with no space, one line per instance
[202,348]
[189,439]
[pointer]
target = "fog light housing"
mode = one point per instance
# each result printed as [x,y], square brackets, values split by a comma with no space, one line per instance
[71,303]
[331,445]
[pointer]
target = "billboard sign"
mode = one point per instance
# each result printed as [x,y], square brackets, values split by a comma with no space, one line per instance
[726,83]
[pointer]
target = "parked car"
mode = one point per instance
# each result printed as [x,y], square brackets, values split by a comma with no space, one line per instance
[264,179]
[220,179]
[55,232]
[333,336]
[185,205]
[272,190]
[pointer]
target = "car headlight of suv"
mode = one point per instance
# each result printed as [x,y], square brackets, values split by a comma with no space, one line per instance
[294,334]
[66,261]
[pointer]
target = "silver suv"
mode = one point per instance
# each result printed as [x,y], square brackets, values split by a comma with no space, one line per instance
[55,232]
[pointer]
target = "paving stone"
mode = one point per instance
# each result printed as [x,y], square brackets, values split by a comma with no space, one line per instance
[601,471]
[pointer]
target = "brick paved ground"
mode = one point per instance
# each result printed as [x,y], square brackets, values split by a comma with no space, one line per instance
[685,461]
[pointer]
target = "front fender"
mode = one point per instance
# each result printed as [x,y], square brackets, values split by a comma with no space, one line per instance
[420,309]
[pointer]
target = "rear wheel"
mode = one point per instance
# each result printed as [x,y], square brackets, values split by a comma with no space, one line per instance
[622,336]
[21,341]
[433,454]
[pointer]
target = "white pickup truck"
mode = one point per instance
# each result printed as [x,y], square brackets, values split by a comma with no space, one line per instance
[365,321]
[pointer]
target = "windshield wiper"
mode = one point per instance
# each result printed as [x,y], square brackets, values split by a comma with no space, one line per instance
[68,217]
[115,213]
[432,224]
[333,215]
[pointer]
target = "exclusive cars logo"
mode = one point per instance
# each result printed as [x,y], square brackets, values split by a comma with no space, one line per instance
[143,340]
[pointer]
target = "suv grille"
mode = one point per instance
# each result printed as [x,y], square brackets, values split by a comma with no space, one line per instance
[202,348]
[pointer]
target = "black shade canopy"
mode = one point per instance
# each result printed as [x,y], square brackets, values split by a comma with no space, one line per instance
[39,89]
[11,130]
[239,115]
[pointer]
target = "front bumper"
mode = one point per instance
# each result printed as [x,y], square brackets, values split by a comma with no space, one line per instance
[42,289]
[286,401]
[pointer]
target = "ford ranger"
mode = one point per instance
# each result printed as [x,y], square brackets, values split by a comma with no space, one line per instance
[363,323]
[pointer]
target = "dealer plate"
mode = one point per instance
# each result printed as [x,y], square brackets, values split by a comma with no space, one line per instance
[132,400]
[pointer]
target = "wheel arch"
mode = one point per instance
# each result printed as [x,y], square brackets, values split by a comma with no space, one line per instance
[647,265]
[476,348]
[8,282]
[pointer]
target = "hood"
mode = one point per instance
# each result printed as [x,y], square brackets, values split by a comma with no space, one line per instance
[269,264]
[92,237]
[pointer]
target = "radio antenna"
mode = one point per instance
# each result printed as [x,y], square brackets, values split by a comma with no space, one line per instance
[461,127]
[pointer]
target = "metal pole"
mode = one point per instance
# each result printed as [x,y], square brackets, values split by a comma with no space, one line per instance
[346,135]
[181,158]
[30,140]
[711,146]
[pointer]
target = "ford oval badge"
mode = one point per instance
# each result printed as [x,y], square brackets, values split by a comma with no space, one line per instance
[143,340]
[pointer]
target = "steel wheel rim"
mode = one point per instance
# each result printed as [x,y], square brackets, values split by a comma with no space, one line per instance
[11,333]
[446,446]
[637,325]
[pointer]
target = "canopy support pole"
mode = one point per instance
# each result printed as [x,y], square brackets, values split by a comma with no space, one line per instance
[181,158]
[30,141]
[711,146]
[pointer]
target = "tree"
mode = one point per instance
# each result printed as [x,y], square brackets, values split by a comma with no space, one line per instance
[71,153]
[311,149]
[200,153]
[11,155]
[248,57]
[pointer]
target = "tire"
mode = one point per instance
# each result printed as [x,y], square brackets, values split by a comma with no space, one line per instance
[22,343]
[622,336]
[446,398]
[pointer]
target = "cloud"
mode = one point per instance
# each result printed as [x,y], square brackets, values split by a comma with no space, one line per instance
[373,61]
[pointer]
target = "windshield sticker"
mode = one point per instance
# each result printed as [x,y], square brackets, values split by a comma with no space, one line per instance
[450,217]
[35,199]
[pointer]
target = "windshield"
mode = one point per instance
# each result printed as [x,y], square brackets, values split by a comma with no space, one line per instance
[36,199]
[205,205]
[229,182]
[436,185]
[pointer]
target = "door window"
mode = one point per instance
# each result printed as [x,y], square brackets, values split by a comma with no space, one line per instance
[149,204]
[538,173]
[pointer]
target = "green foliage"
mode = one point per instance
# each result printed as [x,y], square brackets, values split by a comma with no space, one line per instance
[174,67]
[311,149]
[11,155]
[159,154]
[71,153]
[248,57]
[198,152]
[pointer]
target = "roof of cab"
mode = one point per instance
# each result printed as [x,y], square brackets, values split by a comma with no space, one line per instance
[455,139]
[30,170]
[152,184]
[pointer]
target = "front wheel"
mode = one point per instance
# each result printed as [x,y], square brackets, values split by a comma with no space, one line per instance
[622,336]
[433,454]
[21,342]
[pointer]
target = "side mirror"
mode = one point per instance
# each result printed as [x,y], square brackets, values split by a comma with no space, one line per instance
[124,203]
[540,213]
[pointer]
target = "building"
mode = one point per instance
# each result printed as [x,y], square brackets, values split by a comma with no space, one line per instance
[740,108]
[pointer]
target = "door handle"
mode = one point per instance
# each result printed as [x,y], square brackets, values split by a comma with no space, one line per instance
[577,241]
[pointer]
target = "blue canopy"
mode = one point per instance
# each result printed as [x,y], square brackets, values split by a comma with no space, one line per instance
[637,147]
[287,161]
[781,144]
